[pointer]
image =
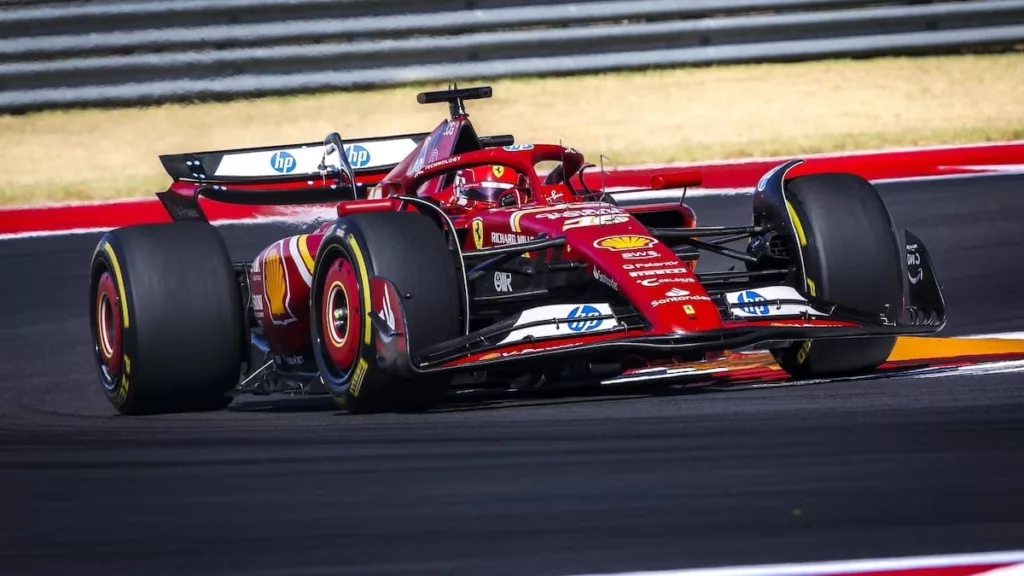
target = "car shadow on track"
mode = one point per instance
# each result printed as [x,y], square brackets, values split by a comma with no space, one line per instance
[283,404]
[479,399]
[485,399]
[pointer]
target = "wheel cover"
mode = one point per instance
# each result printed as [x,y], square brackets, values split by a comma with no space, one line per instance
[342,315]
[109,329]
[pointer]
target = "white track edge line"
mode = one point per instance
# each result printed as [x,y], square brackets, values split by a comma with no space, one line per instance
[996,336]
[940,177]
[1012,570]
[841,566]
[824,155]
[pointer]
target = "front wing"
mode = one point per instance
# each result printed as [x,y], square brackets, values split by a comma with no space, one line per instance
[923,312]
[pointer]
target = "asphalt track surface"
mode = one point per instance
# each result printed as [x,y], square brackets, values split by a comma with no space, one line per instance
[647,478]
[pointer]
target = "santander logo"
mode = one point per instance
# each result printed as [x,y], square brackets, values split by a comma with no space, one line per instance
[679,295]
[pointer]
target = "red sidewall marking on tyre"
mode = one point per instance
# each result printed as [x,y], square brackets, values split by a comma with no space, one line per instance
[108,324]
[341,292]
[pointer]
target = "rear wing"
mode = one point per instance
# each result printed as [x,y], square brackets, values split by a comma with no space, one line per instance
[272,164]
[287,175]
[295,162]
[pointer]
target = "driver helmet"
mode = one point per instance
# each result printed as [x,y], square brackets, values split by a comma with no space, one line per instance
[495,185]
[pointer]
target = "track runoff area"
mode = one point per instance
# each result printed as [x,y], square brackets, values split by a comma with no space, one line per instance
[924,357]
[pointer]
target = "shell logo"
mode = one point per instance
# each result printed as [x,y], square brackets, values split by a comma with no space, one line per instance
[274,284]
[621,243]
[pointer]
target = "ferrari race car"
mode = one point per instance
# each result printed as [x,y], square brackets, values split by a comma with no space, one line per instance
[455,260]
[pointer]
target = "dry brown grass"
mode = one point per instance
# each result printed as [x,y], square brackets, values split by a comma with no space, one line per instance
[636,117]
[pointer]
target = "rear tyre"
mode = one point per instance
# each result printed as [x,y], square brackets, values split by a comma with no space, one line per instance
[852,258]
[166,316]
[412,252]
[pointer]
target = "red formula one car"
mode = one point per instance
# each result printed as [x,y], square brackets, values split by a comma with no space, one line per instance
[452,259]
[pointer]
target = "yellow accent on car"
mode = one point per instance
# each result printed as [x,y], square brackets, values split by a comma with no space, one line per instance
[120,282]
[513,221]
[364,281]
[796,224]
[812,288]
[307,258]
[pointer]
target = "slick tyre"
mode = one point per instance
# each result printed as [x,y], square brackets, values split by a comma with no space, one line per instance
[410,251]
[853,258]
[166,317]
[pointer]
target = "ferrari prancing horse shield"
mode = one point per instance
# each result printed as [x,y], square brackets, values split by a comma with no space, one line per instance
[478,233]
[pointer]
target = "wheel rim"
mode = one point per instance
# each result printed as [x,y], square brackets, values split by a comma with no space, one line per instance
[109,329]
[342,315]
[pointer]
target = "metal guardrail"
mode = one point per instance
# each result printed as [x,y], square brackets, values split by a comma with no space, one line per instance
[347,27]
[61,54]
[86,18]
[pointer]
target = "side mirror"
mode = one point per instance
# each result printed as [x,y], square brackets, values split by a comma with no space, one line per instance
[335,146]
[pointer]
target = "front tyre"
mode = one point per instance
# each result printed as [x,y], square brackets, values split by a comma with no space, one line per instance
[852,258]
[166,317]
[410,251]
